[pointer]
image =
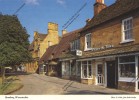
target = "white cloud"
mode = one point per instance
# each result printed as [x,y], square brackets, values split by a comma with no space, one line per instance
[34,2]
[61,2]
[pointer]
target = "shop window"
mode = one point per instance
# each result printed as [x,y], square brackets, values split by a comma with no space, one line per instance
[127,67]
[66,68]
[127,70]
[86,69]
[78,69]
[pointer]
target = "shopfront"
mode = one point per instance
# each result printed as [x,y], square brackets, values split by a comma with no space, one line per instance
[128,73]
[69,69]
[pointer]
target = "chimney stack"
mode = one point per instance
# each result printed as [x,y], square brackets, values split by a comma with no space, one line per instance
[118,0]
[64,32]
[99,6]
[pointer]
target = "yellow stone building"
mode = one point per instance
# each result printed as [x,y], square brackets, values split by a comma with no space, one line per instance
[40,44]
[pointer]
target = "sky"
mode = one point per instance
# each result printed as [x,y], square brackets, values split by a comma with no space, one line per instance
[36,14]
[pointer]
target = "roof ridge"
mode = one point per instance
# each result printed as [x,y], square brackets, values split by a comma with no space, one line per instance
[67,34]
[113,11]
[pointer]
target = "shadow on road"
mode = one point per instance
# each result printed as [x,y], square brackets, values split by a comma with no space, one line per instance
[17,73]
[65,86]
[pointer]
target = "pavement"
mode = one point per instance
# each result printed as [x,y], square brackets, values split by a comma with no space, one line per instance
[35,84]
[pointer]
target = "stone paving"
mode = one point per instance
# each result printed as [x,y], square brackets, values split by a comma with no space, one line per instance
[35,84]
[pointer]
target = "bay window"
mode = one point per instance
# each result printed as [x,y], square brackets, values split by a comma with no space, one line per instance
[86,69]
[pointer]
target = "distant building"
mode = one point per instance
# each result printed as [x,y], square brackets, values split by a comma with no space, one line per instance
[40,44]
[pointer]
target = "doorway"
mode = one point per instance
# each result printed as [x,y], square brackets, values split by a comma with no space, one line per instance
[112,76]
[100,77]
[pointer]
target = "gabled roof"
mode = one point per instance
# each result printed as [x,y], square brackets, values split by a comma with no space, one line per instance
[48,54]
[64,44]
[42,36]
[117,9]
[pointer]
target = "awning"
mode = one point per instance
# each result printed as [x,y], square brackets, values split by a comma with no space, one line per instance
[53,63]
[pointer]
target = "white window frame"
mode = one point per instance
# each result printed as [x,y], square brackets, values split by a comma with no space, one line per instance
[123,31]
[86,48]
[87,70]
[100,63]
[125,79]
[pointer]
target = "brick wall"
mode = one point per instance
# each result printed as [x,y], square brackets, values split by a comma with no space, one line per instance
[111,32]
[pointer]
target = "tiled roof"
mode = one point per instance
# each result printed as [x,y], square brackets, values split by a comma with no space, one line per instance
[64,44]
[107,52]
[117,9]
[48,54]
[42,36]
[112,51]
[70,54]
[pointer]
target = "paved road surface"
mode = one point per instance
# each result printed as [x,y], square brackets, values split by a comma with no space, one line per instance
[35,84]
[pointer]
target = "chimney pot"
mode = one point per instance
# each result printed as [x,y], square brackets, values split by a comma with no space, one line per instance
[88,20]
[100,1]
[64,32]
[99,6]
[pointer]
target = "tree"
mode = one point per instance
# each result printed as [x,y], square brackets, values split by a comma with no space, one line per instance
[14,42]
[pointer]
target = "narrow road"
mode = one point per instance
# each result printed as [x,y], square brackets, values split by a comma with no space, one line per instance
[35,84]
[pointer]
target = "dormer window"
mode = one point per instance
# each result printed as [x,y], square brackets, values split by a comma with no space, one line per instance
[127,30]
[75,45]
[88,41]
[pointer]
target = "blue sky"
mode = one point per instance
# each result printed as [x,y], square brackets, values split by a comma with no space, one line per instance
[36,14]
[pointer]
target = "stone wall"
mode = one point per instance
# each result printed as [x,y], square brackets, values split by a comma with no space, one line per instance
[127,86]
[110,32]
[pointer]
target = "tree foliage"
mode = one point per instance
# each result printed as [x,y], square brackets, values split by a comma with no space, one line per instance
[14,41]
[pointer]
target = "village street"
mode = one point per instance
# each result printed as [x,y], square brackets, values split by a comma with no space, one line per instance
[35,84]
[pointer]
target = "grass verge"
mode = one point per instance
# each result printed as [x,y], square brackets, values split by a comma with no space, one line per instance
[12,83]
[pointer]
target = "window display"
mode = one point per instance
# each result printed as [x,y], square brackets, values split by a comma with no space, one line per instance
[86,69]
[127,66]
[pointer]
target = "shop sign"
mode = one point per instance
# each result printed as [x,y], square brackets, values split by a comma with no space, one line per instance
[78,53]
[103,47]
